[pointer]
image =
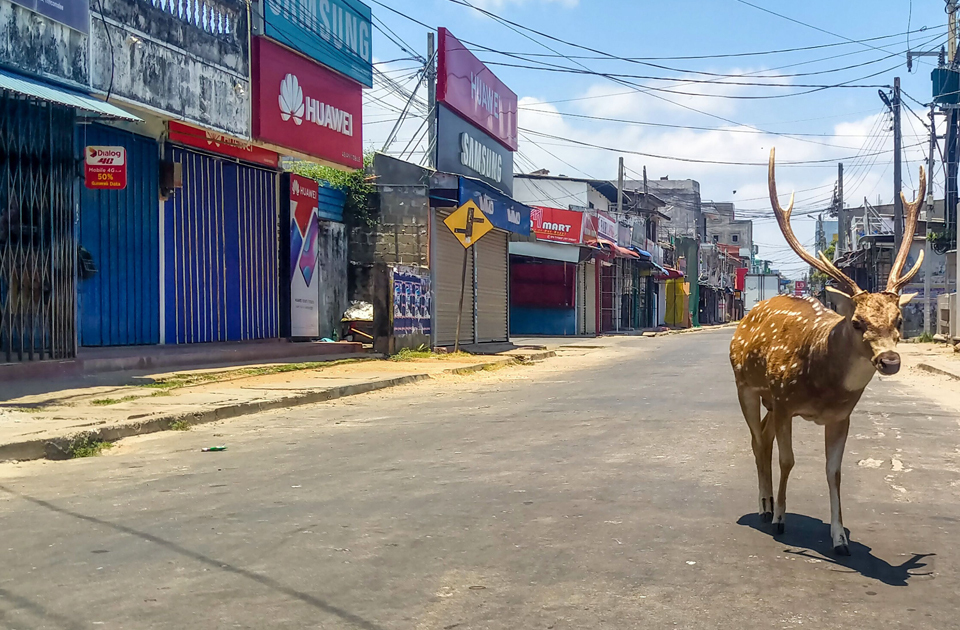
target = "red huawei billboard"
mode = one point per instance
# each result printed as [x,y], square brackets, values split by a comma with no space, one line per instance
[467,86]
[303,106]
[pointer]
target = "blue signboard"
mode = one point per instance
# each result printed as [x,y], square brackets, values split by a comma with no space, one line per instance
[72,13]
[503,212]
[334,32]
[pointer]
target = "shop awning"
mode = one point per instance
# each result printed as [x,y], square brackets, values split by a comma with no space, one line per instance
[620,252]
[547,251]
[669,273]
[643,253]
[47,92]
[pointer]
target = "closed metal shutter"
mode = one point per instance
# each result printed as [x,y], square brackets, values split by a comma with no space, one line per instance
[492,279]
[222,277]
[448,262]
[587,298]
[120,305]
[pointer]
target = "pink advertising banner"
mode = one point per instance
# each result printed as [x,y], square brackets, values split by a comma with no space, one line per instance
[467,86]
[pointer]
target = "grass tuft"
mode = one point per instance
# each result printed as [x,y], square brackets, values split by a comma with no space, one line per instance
[88,446]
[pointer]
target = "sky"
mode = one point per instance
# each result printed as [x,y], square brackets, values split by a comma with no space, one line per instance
[706,127]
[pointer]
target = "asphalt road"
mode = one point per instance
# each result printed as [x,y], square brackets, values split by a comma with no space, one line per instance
[610,490]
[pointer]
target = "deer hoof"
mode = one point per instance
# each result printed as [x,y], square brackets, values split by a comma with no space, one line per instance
[766,517]
[842,550]
[780,528]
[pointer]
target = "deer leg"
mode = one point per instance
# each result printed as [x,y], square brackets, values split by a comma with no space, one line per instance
[750,405]
[835,437]
[784,432]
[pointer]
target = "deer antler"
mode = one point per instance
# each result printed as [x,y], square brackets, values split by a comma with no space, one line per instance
[895,282]
[783,218]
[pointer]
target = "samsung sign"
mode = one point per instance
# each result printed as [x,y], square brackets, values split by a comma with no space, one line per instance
[464,149]
[337,33]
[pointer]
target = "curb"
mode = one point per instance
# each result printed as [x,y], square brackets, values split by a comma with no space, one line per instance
[682,331]
[58,448]
[926,367]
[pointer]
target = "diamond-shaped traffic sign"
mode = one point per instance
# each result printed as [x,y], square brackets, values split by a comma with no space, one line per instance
[468,223]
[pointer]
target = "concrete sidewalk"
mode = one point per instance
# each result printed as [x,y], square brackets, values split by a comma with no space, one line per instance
[47,419]
[934,358]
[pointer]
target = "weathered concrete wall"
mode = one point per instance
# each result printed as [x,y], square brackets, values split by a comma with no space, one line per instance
[193,66]
[401,235]
[723,223]
[683,206]
[331,276]
[36,45]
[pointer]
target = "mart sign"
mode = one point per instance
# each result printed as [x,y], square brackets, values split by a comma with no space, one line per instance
[105,168]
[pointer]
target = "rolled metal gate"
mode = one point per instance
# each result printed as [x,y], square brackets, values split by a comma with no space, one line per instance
[38,252]
[221,259]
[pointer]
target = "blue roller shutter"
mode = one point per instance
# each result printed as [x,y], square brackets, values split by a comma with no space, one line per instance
[120,305]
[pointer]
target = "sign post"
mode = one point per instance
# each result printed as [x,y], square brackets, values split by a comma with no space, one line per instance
[468,224]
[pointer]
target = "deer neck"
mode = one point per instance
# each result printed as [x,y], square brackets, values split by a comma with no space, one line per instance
[857,370]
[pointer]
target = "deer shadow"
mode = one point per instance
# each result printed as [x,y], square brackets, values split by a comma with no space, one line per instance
[809,537]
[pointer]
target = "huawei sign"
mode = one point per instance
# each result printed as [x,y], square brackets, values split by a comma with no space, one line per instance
[291,99]
[293,105]
[303,106]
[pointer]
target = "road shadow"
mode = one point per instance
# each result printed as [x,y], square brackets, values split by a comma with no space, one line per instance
[345,616]
[810,538]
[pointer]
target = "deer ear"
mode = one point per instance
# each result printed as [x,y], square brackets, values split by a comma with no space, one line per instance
[842,301]
[905,298]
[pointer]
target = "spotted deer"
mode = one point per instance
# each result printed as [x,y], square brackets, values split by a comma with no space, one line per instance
[797,358]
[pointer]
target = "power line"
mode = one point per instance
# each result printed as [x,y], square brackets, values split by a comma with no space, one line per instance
[678,158]
[816,28]
[723,55]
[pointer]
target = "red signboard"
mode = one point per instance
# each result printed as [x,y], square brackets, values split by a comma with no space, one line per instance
[467,86]
[218,143]
[555,224]
[799,287]
[303,106]
[105,168]
[589,231]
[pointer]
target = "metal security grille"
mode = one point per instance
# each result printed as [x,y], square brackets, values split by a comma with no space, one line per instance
[221,252]
[38,178]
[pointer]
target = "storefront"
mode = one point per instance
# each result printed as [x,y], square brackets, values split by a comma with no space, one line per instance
[546,275]
[486,310]
[119,231]
[476,138]
[38,201]
[221,272]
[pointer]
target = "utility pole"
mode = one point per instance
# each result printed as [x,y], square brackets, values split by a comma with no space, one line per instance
[841,213]
[618,297]
[866,218]
[432,104]
[620,189]
[897,155]
[930,202]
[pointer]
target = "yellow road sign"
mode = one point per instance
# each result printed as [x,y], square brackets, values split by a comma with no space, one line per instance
[468,223]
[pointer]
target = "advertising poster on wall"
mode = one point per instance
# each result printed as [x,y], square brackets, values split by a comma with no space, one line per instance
[412,300]
[304,229]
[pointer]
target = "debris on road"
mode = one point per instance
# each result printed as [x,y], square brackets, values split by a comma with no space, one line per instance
[213,449]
